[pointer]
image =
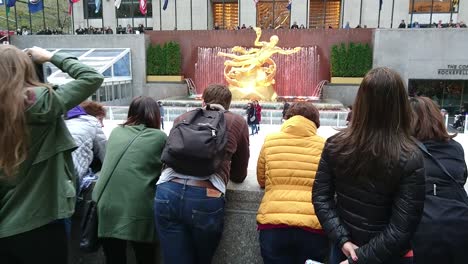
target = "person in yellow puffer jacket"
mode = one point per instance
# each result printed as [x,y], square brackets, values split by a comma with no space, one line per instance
[289,229]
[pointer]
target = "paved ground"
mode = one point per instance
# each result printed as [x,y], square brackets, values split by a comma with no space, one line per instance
[256,141]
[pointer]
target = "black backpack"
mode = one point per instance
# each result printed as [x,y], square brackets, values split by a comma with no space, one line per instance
[196,145]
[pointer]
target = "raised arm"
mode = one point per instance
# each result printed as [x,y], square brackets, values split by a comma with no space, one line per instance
[258,43]
[69,95]
[323,197]
[406,213]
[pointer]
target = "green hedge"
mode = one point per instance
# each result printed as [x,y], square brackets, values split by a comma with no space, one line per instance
[164,59]
[352,60]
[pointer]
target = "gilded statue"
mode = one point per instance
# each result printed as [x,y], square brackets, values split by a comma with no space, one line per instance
[251,73]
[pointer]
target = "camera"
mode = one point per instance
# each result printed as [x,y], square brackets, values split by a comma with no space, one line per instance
[39,71]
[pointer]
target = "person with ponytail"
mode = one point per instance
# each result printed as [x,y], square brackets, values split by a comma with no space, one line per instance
[37,180]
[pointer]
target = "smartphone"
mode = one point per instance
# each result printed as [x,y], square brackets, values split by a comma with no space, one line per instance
[39,72]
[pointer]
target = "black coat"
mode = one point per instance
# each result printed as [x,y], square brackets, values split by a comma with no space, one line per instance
[378,215]
[442,235]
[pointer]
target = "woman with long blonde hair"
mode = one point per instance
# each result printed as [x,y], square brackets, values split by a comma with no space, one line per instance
[37,186]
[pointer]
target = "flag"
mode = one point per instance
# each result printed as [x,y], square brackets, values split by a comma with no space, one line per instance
[165,4]
[9,3]
[289,5]
[380,4]
[98,5]
[143,7]
[117,3]
[35,6]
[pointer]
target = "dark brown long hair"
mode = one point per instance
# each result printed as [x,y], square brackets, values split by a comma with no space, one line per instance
[144,110]
[428,122]
[381,128]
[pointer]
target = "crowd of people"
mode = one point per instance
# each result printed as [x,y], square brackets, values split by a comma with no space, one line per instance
[108,30]
[440,24]
[386,189]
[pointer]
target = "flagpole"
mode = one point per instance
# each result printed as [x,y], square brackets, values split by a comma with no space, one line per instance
[7,22]
[380,10]
[58,15]
[30,21]
[43,15]
[393,10]
[432,9]
[133,16]
[16,19]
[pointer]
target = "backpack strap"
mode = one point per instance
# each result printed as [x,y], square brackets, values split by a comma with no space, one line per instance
[442,167]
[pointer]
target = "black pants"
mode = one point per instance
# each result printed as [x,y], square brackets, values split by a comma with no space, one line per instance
[46,244]
[116,251]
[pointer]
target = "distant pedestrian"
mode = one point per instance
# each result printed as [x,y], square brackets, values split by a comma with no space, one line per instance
[161,112]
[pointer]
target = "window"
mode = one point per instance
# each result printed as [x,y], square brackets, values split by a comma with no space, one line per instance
[90,9]
[226,15]
[434,6]
[324,13]
[131,8]
[273,14]
[448,94]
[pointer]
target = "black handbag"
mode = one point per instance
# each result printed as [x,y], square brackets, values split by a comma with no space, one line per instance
[444,222]
[89,240]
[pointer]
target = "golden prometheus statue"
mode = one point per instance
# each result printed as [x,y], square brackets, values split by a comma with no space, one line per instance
[251,74]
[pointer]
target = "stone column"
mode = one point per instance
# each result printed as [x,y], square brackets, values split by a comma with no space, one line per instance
[299,12]
[463,11]
[200,14]
[247,13]
[157,9]
[78,15]
[109,14]
[351,13]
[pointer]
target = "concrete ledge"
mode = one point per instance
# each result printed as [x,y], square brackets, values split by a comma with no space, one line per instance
[346,80]
[164,78]
[162,90]
[344,93]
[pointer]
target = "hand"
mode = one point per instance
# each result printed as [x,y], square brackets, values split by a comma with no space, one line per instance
[349,250]
[39,55]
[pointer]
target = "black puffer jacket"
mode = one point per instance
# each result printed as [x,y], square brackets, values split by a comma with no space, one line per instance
[378,215]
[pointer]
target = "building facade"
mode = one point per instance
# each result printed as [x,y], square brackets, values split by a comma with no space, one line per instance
[230,14]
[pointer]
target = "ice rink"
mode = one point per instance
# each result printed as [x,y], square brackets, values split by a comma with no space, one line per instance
[256,141]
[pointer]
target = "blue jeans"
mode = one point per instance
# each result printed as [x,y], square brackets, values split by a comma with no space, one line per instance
[336,256]
[292,245]
[189,223]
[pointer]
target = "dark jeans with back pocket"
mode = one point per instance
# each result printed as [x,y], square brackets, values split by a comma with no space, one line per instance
[189,223]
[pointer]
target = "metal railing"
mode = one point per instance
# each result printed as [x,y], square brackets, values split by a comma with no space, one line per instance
[269,116]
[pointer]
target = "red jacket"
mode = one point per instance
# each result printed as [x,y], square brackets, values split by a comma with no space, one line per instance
[258,113]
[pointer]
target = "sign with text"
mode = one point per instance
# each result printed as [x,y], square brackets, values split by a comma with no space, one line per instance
[453,69]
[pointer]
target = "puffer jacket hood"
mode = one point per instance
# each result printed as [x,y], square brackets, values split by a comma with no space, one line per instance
[286,168]
[76,112]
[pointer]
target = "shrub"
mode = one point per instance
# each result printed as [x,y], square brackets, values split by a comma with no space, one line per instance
[164,59]
[352,60]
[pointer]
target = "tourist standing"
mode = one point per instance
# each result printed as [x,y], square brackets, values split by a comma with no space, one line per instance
[294,25]
[85,125]
[189,210]
[289,229]
[285,109]
[442,235]
[251,118]
[125,190]
[402,24]
[258,115]
[37,183]
[161,111]
[369,189]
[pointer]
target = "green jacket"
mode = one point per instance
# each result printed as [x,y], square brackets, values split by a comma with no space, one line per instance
[125,210]
[43,189]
